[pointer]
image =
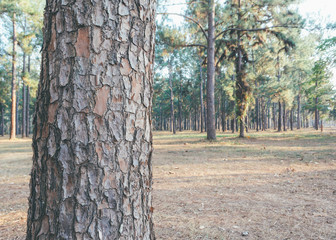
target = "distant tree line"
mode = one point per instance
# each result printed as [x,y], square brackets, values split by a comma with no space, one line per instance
[268,75]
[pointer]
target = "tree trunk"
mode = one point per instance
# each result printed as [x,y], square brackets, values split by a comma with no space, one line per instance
[24,98]
[211,129]
[172,115]
[180,104]
[233,125]
[17,115]
[291,119]
[274,118]
[279,118]
[28,105]
[257,114]
[92,176]
[2,131]
[298,111]
[284,117]
[201,96]
[13,94]
[263,115]
[223,114]
[316,114]
[246,123]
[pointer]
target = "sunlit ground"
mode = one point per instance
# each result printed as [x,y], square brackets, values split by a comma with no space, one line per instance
[269,186]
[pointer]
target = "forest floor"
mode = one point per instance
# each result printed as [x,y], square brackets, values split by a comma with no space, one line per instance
[267,186]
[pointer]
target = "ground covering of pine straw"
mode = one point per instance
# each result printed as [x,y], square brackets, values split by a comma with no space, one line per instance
[268,186]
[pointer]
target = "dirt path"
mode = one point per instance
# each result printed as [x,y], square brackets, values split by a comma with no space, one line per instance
[270,186]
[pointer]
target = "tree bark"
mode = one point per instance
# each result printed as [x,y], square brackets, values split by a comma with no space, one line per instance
[172,114]
[24,98]
[316,114]
[2,131]
[13,93]
[284,116]
[223,113]
[298,111]
[201,96]
[291,119]
[257,114]
[279,118]
[233,125]
[28,101]
[180,104]
[211,129]
[92,176]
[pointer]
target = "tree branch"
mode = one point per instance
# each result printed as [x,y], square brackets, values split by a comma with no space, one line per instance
[253,29]
[189,18]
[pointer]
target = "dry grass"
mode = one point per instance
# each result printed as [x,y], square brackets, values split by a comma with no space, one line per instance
[272,185]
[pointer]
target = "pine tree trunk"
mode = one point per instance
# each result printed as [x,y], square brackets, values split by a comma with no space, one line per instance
[291,119]
[92,176]
[24,99]
[316,114]
[211,129]
[263,114]
[298,112]
[279,118]
[28,105]
[180,104]
[274,118]
[233,125]
[2,131]
[17,115]
[201,97]
[284,117]
[223,114]
[172,115]
[257,114]
[13,93]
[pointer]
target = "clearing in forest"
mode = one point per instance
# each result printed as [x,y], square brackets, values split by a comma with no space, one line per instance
[269,186]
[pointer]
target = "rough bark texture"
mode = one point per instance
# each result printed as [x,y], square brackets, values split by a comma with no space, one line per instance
[13,107]
[210,121]
[92,143]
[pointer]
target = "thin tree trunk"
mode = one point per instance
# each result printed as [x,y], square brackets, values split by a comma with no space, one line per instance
[233,125]
[298,111]
[24,98]
[13,107]
[28,103]
[2,131]
[291,119]
[201,96]
[180,104]
[316,114]
[211,129]
[284,116]
[92,175]
[17,115]
[223,113]
[279,118]
[263,114]
[172,114]
[257,114]
[274,118]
